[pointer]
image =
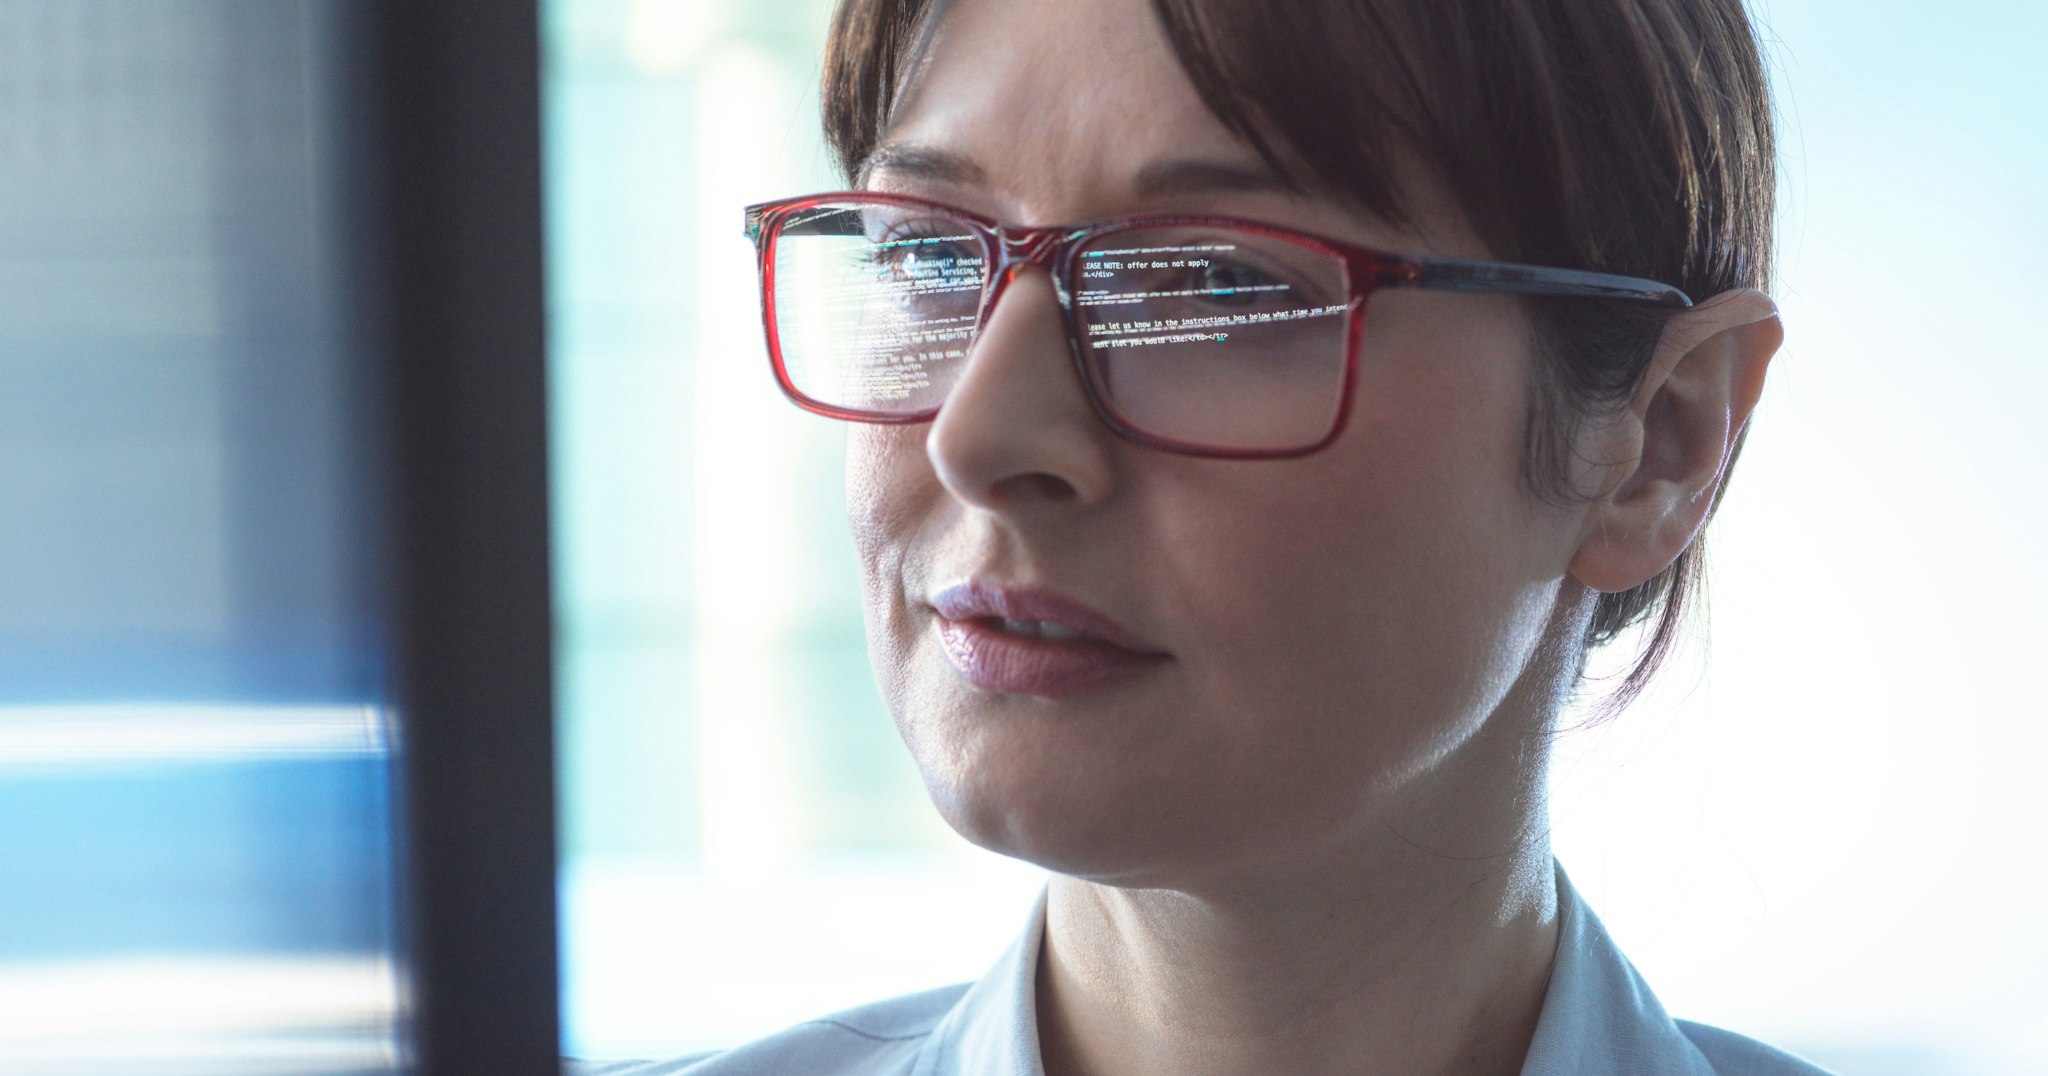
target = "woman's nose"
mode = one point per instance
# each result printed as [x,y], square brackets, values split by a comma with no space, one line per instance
[1017,427]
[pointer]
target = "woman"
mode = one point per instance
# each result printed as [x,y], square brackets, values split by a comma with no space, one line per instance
[1236,505]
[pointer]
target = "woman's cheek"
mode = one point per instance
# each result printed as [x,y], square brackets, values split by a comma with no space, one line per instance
[893,500]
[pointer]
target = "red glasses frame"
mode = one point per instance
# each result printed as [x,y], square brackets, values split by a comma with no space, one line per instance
[1055,249]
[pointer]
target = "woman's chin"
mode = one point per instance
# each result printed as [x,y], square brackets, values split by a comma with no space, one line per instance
[1128,837]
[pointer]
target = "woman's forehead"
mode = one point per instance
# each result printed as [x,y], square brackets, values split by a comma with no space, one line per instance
[1062,111]
[1045,106]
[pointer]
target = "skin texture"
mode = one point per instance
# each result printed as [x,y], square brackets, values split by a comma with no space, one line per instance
[1315,840]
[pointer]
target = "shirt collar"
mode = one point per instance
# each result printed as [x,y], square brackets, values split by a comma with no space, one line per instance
[993,1029]
[1599,1017]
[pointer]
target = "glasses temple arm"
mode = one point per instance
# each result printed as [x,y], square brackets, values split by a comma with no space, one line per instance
[1460,274]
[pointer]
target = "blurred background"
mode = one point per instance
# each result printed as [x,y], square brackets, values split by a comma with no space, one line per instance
[195,805]
[1824,831]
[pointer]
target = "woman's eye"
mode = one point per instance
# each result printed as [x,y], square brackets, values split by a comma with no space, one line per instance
[922,250]
[935,259]
[1227,284]
[1235,284]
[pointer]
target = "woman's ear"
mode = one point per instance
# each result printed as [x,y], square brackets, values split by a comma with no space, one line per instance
[1672,445]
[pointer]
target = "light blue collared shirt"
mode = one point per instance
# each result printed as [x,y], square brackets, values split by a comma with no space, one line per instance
[1598,1019]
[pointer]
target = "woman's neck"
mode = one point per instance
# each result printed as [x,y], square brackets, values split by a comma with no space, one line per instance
[1422,946]
[1138,983]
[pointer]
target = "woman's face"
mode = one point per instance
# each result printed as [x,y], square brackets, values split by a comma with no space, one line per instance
[1322,634]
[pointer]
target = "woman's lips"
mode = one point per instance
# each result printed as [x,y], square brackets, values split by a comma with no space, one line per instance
[1085,650]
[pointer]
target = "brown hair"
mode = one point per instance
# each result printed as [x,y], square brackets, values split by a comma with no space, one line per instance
[1623,136]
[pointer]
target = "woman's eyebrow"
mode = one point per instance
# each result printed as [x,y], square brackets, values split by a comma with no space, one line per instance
[1191,176]
[915,160]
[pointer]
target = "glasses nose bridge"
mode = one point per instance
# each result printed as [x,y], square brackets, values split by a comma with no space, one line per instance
[1031,246]
[1020,247]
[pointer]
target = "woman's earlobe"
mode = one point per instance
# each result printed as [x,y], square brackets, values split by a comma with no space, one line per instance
[1688,420]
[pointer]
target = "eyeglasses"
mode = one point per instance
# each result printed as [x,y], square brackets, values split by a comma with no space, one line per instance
[1202,335]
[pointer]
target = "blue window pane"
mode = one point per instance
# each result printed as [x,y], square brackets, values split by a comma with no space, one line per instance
[195,806]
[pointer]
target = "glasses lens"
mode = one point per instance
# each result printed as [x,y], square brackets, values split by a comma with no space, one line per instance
[874,304]
[1215,336]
